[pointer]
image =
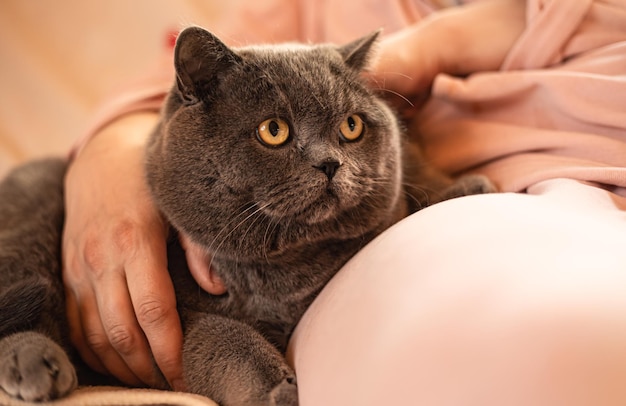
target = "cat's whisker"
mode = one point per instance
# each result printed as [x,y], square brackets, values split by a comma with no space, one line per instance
[420,205]
[319,101]
[425,191]
[210,248]
[245,233]
[259,209]
[399,95]
[379,181]
[273,224]
[355,218]
[422,187]
[251,206]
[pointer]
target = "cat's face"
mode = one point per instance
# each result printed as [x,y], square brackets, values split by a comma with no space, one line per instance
[266,147]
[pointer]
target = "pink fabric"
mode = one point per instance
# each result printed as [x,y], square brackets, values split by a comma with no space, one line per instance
[272,21]
[562,116]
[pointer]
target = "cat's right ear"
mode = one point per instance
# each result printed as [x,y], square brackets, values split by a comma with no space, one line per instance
[357,53]
[200,58]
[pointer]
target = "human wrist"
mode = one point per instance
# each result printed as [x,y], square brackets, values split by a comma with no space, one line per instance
[125,133]
[109,168]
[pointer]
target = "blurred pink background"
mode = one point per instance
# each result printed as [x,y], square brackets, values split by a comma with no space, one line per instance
[60,59]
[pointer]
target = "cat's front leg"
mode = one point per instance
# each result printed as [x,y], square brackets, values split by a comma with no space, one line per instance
[35,368]
[233,364]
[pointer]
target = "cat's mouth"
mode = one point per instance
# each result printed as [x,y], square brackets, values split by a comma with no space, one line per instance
[315,204]
[324,208]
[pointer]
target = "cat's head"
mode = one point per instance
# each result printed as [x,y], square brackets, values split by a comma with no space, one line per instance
[264,147]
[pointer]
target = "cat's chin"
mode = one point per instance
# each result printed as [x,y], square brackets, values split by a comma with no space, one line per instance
[330,206]
[324,209]
[316,210]
[320,216]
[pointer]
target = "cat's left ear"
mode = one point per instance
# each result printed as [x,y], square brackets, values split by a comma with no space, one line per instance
[357,53]
[200,58]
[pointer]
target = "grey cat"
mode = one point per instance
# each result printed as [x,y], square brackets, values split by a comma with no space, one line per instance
[281,162]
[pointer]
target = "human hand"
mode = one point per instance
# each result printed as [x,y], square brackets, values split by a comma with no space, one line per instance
[457,41]
[120,298]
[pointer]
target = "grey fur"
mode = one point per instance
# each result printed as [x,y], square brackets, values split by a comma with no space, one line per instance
[279,222]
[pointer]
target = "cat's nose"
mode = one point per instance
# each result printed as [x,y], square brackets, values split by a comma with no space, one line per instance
[329,167]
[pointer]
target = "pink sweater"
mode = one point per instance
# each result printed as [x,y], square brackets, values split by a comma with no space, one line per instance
[556,109]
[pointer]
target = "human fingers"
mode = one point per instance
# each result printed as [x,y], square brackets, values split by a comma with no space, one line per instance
[90,338]
[199,263]
[103,324]
[76,333]
[154,303]
[120,343]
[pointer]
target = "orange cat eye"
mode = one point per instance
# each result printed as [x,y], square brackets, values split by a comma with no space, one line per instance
[273,132]
[351,128]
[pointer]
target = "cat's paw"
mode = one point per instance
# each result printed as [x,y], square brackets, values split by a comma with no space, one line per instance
[285,393]
[34,368]
[470,185]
